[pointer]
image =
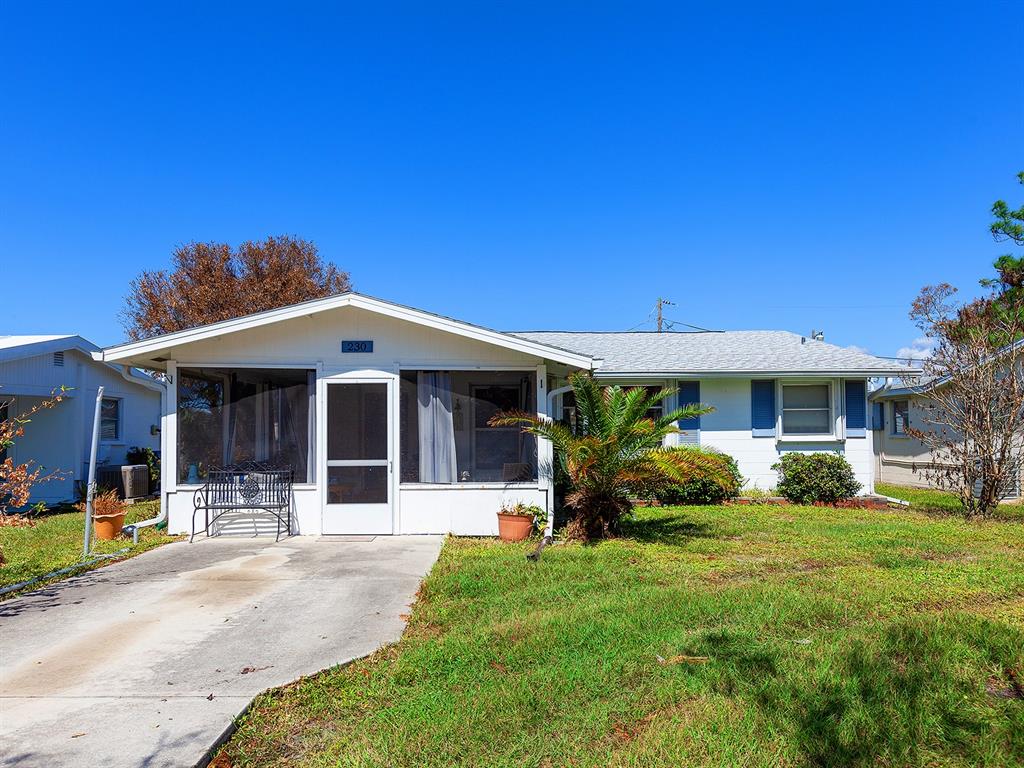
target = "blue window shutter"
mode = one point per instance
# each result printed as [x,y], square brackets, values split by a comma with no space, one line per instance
[762,407]
[689,393]
[878,415]
[856,408]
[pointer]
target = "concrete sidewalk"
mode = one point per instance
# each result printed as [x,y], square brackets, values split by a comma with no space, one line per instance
[147,662]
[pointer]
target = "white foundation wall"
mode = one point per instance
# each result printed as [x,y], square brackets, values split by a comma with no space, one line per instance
[728,429]
[464,511]
[305,515]
[469,511]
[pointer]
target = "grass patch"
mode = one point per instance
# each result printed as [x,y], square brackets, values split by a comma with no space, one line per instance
[55,542]
[941,502]
[710,636]
[924,499]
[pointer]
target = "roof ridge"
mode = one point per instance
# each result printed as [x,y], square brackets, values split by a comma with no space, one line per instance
[663,333]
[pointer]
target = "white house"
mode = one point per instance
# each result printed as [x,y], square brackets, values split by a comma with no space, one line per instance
[382,409]
[32,367]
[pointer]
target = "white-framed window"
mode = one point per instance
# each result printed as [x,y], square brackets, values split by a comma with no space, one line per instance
[807,409]
[110,419]
[657,410]
[900,416]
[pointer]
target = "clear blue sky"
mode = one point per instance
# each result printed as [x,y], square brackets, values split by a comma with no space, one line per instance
[549,165]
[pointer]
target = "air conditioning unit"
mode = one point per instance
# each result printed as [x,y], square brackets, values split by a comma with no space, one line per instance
[135,480]
[108,477]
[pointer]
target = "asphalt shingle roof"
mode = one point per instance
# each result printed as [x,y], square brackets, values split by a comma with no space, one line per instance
[715,352]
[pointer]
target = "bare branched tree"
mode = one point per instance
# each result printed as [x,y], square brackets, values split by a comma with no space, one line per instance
[974,393]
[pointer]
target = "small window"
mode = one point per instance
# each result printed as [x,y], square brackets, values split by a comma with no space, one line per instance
[900,416]
[110,419]
[58,359]
[806,409]
[656,411]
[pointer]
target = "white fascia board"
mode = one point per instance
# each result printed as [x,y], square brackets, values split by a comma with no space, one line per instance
[144,349]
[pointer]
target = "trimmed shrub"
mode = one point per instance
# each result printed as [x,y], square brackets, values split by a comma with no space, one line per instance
[700,490]
[805,478]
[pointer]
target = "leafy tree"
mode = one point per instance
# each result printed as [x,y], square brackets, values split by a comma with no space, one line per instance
[211,282]
[1008,227]
[615,451]
[1008,224]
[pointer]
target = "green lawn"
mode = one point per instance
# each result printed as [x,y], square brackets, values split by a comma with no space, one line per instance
[929,500]
[711,636]
[55,542]
[921,498]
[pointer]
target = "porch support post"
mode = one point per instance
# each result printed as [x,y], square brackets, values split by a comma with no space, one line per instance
[169,435]
[545,451]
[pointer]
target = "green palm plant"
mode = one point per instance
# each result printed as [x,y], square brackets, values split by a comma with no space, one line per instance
[615,452]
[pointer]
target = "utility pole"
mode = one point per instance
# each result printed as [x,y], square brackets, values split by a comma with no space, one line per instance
[662,302]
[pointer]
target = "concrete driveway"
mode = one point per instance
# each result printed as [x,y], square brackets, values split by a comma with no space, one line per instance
[147,662]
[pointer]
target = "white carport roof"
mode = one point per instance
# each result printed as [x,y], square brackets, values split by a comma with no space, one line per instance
[148,352]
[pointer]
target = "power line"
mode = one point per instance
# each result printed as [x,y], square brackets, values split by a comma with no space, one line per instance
[672,323]
[642,322]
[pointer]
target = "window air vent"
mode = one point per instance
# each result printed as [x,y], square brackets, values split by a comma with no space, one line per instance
[58,359]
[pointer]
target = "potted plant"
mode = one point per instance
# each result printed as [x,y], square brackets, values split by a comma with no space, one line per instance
[516,521]
[108,513]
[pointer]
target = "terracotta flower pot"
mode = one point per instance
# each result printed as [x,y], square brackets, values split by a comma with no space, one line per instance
[107,527]
[514,527]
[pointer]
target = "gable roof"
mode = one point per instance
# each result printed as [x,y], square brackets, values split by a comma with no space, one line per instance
[150,349]
[646,353]
[920,385]
[19,347]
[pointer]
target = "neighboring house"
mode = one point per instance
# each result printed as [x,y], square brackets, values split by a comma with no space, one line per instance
[382,410]
[32,367]
[899,458]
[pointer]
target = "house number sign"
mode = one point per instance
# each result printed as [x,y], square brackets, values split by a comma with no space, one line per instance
[357,346]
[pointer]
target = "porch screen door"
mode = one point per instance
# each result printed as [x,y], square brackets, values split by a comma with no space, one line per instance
[359,451]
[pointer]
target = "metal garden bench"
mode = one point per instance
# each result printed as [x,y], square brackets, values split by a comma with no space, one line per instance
[250,486]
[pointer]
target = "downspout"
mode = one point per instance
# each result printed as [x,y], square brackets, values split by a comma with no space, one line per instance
[126,374]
